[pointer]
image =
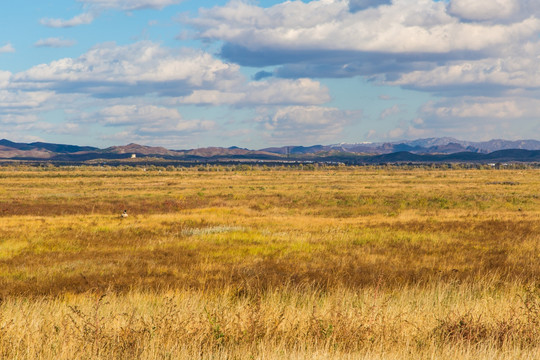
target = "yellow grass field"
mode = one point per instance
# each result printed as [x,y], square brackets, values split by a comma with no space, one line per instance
[269,263]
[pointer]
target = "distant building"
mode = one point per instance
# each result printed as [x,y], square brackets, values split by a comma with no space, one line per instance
[133,156]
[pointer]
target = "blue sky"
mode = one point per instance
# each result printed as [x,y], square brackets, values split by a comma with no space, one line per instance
[190,73]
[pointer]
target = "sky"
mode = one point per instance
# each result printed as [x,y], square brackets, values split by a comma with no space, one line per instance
[193,73]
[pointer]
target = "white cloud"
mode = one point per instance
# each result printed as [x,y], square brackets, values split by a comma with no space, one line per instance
[21,111]
[502,110]
[173,135]
[5,77]
[448,47]
[54,42]
[483,10]
[81,19]
[396,109]
[477,118]
[134,114]
[270,92]
[306,123]
[186,126]
[470,118]
[112,86]
[186,76]
[8,48]
[70,128]
[482,107]
[517,67]
[18,137]
[141,68]
[150,119]
[401,132]
[300,116]
[12,100]
[407,26]
[396,133]
[212,97]
[22,125]
[409,132]
[17,118]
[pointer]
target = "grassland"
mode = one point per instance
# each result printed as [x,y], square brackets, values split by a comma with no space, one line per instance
[330,263]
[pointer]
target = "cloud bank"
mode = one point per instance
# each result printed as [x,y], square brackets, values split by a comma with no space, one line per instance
[124,80]
[462,51]
[418,44]
[476,62]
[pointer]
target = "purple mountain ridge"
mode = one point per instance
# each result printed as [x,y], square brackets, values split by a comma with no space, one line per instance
[429,146]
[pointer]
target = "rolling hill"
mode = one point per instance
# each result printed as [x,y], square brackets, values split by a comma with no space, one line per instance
[421,150]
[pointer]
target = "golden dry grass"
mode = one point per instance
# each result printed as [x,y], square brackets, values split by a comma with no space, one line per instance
[350,263]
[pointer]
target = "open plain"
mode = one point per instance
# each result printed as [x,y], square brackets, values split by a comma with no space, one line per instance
[269,263]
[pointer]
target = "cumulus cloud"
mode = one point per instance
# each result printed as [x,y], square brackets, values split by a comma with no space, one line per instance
[7,48]
[5,77]
[120,80]
[310,123]
[11,100]
[439,46]
[404,27]
[396,109]
[54,42]
[271,92]
[12,118]
[484,10]
[133,114]
[81,19]
[145,68]
[146,124]
[21,111]
[146,120]
[474,118]
[478,117]
[517,67]
[109,70]
[449,48]
[482,107]
[24,127]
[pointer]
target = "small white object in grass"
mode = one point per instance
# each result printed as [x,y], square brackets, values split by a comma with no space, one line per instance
[124,214]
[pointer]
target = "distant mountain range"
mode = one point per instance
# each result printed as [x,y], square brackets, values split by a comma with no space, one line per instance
[421,150]
[444,145]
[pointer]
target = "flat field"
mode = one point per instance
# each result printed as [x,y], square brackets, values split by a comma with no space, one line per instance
[223,263]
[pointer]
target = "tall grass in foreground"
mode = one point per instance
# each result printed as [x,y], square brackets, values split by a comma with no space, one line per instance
[327,264]
[460,321]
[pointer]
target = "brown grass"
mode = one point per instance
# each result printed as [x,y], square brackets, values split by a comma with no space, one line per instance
[331,263]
